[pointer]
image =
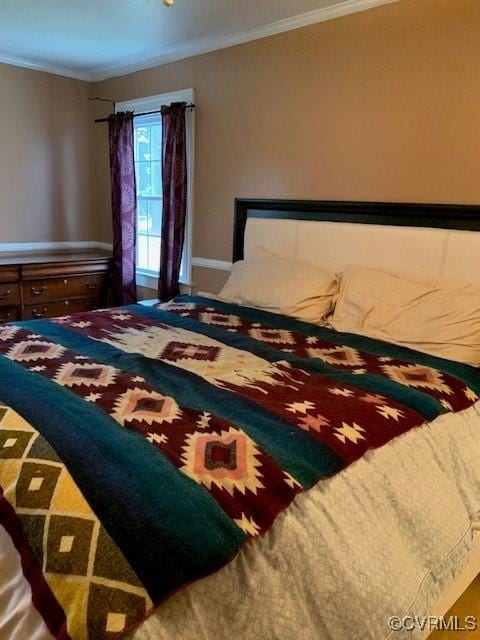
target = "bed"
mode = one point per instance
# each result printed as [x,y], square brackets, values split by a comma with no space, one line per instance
[200,465]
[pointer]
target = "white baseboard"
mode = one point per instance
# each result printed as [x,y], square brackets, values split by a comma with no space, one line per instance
[207,263]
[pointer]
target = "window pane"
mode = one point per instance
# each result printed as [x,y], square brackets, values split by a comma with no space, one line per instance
[144,178]
[142,143]
[155,217]
[142,215]
[142,251]
[148,170]
[156,142]
[156,179]
[153,253]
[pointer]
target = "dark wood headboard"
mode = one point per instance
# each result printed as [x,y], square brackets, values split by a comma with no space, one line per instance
[443,216]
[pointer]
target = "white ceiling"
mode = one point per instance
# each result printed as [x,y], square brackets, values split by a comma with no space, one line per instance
[95,39]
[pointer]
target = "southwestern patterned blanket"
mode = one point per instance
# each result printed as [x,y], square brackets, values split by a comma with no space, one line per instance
[141,447]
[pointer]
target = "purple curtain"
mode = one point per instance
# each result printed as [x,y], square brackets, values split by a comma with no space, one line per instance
[174,167]
[124,214]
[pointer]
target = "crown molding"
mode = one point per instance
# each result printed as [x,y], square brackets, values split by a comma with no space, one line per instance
[46,68]
[207,45]
[199,47]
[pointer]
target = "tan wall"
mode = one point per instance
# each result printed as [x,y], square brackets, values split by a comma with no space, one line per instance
[45,186]
[210,280]
[380,105]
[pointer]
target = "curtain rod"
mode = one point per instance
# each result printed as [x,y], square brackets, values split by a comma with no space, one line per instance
[146,113]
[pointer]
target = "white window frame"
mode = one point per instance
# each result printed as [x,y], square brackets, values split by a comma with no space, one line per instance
[146,278]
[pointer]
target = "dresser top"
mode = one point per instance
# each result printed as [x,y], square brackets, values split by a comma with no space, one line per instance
[45,257]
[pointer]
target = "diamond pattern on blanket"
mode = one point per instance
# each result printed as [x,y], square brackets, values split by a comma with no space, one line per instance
[32,350]
[13,443]
[419,376]
[71,374]
[228,460]
[68,545]
[148,406]
[84,568]
[111,611]
[36,485]
[346,356]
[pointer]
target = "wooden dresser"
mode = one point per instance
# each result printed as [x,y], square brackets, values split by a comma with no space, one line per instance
[45,285]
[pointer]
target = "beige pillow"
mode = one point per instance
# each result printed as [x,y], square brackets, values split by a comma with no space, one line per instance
[283,286]
[436,316]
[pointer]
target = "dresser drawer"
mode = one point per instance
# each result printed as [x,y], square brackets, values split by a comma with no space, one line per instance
[9,294]
[60,308]
[9,273]
[35,291]
[9,314]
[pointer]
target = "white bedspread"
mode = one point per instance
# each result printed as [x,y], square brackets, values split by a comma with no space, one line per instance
[382,538]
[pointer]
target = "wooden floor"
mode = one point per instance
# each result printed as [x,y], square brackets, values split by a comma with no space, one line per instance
[467,605]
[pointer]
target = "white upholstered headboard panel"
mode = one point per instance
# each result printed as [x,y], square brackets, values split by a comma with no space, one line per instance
[422,239]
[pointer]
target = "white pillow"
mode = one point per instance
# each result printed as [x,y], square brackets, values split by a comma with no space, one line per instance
[283,286]
[432,315]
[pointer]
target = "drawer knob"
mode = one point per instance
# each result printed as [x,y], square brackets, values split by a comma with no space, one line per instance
[39,314]
[91,285]
[37,291]
[5,294]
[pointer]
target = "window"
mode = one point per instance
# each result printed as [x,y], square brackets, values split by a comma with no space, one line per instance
[148,171]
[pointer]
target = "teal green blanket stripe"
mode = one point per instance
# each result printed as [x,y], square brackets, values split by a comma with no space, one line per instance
[177,532]
[470,376]
[428,406]
[297,452]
